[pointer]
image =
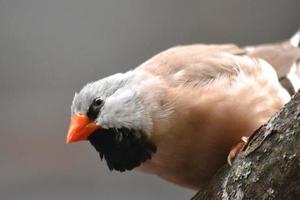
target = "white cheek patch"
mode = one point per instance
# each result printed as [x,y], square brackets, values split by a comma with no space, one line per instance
[124,110]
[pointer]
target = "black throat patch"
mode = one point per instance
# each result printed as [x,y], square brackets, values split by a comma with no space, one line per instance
[123,149]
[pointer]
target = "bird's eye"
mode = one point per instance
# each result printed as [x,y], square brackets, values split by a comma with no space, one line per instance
[94,109]
[97,102]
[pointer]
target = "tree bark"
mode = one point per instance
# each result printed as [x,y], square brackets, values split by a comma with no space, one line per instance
[268,167]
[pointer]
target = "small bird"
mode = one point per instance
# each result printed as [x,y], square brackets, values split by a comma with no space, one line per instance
[179,114]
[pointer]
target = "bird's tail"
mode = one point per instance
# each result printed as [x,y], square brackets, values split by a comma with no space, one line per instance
[295,39]
[294,73]
[285,59]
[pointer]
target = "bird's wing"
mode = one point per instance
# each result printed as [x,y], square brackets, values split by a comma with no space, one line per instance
[199,62]
[282,56]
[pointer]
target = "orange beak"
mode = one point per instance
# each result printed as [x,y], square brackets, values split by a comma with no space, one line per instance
[81,127]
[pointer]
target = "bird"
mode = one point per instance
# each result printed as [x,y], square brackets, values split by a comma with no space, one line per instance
[179,114]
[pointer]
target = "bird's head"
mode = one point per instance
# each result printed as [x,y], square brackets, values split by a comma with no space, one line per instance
[110,114]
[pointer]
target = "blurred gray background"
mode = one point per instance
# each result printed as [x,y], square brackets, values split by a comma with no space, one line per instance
[49,49]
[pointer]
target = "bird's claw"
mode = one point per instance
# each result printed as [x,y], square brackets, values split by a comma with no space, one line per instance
[236,149]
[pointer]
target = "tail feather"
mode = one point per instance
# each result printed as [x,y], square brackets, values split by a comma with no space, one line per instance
[294,73]
[295,39]
[284,58]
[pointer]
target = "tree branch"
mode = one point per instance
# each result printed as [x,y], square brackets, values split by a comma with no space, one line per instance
[269,165]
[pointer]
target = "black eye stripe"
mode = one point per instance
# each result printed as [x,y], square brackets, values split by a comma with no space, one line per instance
[94,108]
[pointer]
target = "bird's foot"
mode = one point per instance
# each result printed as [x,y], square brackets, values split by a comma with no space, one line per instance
[236,149]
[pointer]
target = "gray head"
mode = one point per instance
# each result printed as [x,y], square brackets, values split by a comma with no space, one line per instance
[121,107]
[111,115]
